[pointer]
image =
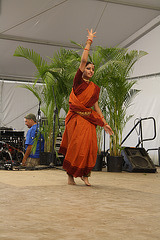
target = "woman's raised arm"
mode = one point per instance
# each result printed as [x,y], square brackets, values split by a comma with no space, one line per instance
[85,53]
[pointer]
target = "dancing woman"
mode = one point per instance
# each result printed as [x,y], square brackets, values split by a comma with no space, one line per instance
[79,142]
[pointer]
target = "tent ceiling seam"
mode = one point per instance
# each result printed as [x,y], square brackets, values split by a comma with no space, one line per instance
[101,16]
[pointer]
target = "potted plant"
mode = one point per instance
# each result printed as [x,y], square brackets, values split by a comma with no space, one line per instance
[56,79]
[119,95]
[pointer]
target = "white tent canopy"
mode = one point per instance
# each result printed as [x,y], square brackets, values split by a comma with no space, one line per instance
[47,25]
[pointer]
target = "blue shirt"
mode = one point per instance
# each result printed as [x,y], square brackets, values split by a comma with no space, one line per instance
[30,140]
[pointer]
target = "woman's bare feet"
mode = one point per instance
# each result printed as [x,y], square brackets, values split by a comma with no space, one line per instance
[71,180]
[85,179]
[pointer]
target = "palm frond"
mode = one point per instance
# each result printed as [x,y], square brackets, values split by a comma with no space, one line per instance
[77,44]
[34,57]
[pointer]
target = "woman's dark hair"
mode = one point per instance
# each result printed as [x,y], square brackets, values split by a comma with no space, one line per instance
[89,63]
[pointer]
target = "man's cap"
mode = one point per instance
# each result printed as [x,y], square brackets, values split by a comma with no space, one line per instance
[31,116]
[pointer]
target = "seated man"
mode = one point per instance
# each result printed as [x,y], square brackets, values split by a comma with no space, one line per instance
[30,159]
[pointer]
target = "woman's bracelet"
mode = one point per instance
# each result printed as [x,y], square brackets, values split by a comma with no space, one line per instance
[90,40]
[86,49]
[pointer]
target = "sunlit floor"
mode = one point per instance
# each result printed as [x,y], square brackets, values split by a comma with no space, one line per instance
[39,205]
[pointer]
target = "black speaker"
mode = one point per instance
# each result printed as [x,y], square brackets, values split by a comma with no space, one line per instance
[137,160]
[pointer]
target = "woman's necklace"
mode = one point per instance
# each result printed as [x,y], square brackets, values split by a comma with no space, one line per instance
[86,80]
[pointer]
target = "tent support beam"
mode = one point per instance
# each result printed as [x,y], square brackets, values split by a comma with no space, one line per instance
[37,41]
[133,4]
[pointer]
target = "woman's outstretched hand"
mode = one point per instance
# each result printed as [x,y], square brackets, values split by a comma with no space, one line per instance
[91,34]
[108,129]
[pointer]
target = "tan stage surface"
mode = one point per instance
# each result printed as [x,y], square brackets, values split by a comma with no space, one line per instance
[39,205]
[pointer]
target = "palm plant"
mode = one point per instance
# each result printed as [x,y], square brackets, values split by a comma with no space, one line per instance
[119,92]
[56,76]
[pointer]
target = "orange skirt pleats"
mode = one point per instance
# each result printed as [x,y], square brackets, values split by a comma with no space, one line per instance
[79,145]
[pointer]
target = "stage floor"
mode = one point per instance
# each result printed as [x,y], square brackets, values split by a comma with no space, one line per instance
[39,205]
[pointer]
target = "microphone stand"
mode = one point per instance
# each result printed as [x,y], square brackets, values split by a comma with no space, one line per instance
[54,160]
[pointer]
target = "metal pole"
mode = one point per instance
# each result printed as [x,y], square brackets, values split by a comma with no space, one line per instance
[39,126]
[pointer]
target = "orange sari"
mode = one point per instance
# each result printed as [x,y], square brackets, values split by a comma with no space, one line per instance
[79,141]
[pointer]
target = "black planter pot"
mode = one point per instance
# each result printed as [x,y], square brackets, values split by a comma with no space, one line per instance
[45,158]
[115,163]
[99,163]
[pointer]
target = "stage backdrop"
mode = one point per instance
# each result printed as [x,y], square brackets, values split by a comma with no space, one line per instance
[15,103]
